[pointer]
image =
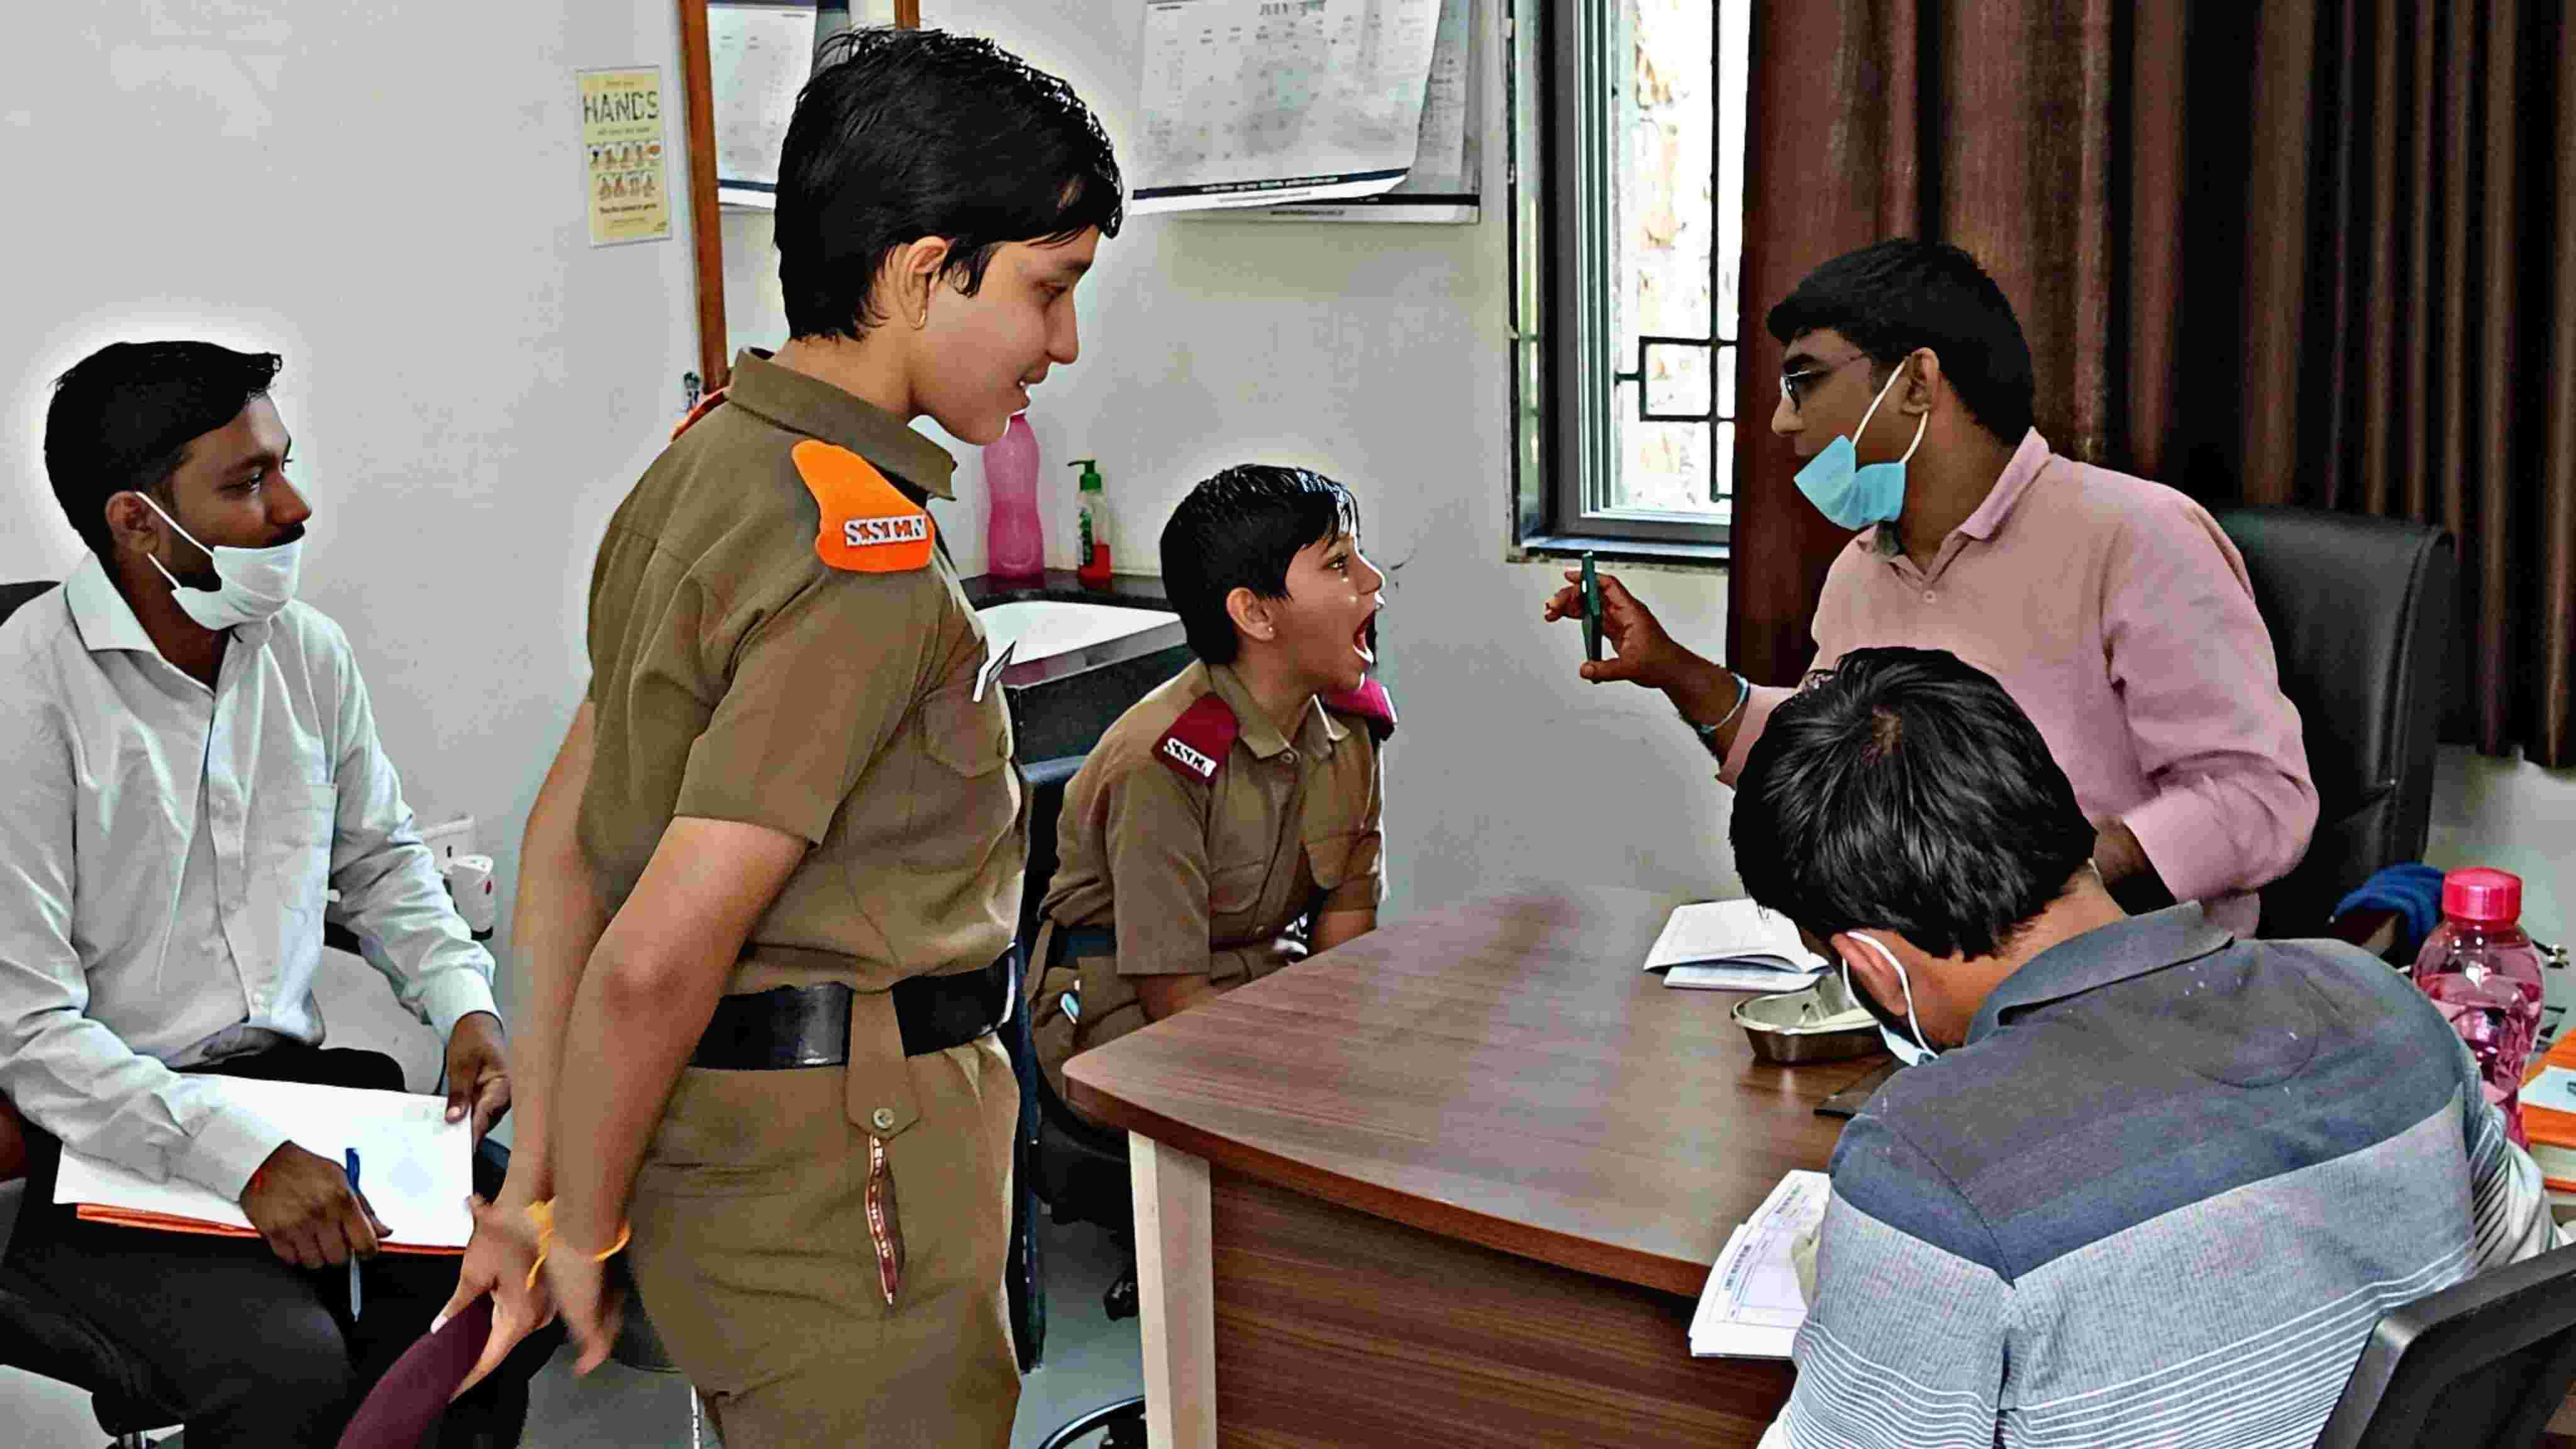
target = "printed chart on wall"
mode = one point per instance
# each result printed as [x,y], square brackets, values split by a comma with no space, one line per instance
[1261,103]
[621,131]
[1448,164]
[758,58]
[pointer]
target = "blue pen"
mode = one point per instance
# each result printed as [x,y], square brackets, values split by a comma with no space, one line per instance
[353,1258]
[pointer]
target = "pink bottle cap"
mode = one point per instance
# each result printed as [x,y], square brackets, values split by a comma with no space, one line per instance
[2483,897]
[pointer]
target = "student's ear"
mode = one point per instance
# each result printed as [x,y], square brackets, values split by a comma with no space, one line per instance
[1869,970]
[910,279]
[1252,615]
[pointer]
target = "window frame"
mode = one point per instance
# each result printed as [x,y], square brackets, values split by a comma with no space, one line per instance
[1562,147]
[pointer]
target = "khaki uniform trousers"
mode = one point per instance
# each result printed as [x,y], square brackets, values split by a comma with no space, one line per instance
[754,1262]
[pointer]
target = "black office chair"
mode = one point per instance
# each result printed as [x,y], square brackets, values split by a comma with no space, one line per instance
[13,595]
[2360,611]
[1076,1168]
[46,1339]
[2484,1362]
[51,1341]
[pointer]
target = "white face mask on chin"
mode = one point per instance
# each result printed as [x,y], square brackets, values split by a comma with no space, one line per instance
[255,583]
[1912,1053]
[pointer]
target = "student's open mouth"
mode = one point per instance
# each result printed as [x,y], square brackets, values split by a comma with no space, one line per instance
[1364,640]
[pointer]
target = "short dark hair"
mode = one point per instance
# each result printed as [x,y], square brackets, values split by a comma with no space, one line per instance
[903,134]
[1898,295]
[1904,789]
[1240,530]
[122,418]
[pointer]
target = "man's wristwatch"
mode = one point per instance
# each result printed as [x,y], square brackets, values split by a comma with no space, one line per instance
[1708,732]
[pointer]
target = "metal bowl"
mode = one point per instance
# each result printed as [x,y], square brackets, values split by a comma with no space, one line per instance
[1818,1024]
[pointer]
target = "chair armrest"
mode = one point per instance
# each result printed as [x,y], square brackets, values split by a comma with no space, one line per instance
[13,1143]
[2372,928]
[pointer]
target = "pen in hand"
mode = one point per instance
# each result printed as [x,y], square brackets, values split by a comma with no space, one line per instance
[352,1163]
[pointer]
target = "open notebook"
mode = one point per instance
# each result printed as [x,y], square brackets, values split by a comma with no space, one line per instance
[414,1166]
[1733,946]
[1752,1306]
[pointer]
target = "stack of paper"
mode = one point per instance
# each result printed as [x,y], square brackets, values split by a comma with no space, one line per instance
[1751,1307]
[415,1166]
[1733,946]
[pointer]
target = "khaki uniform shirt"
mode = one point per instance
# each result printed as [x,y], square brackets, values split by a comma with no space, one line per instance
[1207,877]
[737,675]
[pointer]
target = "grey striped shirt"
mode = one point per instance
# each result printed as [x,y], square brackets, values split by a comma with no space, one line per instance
[2160,1197]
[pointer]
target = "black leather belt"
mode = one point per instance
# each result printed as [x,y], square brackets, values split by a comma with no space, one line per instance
[809,1026]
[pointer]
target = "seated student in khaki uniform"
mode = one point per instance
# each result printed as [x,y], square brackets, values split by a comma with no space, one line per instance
[1228,823]
[774,871]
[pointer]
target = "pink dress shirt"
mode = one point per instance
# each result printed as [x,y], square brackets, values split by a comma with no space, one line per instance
[2118,617]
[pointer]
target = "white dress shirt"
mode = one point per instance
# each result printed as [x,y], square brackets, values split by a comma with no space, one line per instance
[166,854]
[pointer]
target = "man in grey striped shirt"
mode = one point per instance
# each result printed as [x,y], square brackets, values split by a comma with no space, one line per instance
[2156,1184]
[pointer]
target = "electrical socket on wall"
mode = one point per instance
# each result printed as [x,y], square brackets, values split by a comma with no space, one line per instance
[450,840]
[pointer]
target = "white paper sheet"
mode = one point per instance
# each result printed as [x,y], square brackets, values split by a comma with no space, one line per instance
[1739,978]
[1258,102]
[1751,1307]
[1733,933]
[414,1166]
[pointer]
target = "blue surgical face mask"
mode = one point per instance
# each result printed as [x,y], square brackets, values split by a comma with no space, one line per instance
[1853,496]
[1912,1053]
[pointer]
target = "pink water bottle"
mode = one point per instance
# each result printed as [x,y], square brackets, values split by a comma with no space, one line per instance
[1014,543]
[2483,975]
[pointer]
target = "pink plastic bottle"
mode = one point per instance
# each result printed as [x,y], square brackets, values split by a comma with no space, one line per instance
[1014,542]
[2483,975]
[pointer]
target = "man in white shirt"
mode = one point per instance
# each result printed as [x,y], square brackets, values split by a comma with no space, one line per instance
[193,767]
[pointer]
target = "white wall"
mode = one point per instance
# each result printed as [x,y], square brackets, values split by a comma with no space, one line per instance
[2514,816]
[392,197]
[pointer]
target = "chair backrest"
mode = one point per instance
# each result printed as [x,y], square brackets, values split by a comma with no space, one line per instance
[1046,782]
[13,595]
[2483,1362]
[2359,610]
[1099,1155]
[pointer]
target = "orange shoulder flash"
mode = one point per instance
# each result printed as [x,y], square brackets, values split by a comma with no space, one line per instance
[868,525]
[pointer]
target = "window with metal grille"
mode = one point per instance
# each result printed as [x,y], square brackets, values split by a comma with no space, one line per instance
[1627,143]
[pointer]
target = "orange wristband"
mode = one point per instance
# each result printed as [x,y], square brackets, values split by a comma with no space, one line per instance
[542,1215]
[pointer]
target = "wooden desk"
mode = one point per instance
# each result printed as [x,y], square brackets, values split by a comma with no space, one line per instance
[1459,1181]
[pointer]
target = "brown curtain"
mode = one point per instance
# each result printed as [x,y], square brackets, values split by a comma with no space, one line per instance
[2297,251]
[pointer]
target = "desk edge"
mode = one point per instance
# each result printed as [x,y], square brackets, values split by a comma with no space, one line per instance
[1680,1277]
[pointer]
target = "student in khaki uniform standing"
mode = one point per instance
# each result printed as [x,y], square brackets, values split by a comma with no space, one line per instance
[778,939]
[1229,821]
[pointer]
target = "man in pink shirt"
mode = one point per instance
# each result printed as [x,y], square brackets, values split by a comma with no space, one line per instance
[2113,609]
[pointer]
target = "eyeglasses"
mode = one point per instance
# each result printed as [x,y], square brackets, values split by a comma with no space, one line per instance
[1794,386]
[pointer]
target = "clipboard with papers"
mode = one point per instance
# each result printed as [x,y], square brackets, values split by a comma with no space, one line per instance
[420,1166]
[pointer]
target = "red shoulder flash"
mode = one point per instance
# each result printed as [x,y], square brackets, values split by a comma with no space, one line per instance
[1196,745]
[706,405]
[1370,704]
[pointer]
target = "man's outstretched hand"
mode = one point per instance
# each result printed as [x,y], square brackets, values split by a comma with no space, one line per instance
[1642,653]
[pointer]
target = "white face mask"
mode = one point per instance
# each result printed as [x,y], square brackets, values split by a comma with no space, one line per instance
[1912,1053]
[254,582]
